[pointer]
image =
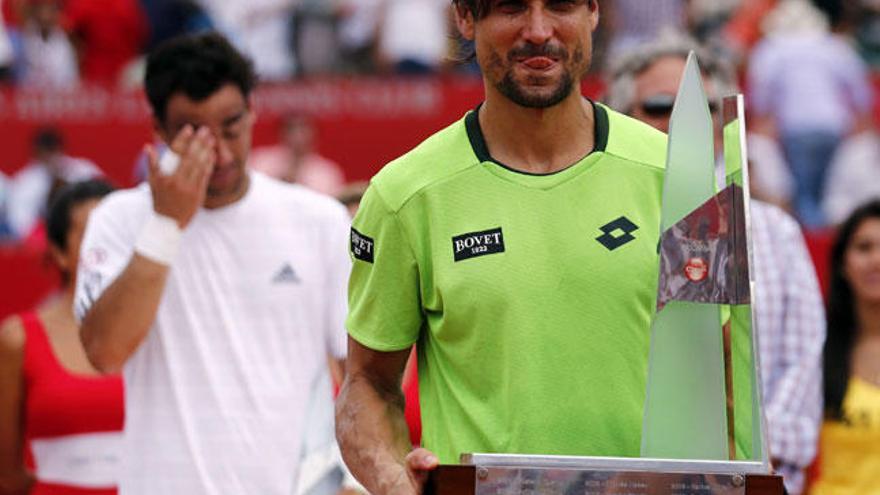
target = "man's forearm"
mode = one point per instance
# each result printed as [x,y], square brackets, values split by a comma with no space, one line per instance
[119,320]
[373,435]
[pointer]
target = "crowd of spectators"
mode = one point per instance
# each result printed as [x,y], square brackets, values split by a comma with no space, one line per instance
[815,158]
[60,43]
[806,66]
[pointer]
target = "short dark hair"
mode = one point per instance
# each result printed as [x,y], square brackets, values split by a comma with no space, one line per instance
[477,8]
[834,10]
[480,8]
[48,139]
[198,65]
[66,199]
[842,321]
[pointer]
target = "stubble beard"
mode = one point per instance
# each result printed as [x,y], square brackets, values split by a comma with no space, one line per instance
[231,190]
[538,98]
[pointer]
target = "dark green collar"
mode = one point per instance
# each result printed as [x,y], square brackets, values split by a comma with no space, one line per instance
[478,141]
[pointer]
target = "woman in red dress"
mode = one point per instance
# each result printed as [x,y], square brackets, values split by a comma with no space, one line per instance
[60,421]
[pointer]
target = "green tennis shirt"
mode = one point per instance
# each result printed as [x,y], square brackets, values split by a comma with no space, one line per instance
[530,296]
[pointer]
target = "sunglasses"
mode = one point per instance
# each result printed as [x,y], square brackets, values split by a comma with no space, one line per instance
[661,105]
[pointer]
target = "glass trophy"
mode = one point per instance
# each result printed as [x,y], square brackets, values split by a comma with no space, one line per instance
[704,431]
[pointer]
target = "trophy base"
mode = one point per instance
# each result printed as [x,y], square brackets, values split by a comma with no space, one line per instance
[482,474]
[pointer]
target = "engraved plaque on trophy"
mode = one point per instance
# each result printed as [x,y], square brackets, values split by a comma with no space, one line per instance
[500,474]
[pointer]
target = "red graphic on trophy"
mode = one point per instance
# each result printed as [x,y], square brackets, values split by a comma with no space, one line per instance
[696,269]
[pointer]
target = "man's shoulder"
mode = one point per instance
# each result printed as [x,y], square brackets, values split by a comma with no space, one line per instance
[12,338]
[294,197]
[114,224]
[439,157]
[124,203]
[634,141]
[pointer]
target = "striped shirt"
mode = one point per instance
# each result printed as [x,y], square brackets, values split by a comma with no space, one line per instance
[791,324]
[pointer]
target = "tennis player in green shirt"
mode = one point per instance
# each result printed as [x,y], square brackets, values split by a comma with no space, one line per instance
[518,248]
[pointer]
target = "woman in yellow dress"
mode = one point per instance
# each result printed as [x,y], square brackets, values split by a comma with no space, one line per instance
[850,439]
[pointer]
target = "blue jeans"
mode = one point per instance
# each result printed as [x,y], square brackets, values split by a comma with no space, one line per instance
[809,154]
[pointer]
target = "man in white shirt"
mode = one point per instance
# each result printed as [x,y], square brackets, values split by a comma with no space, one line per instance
[414,35]
[809,87]
[31,187]
[45,56]
[217,291]
[7,55]
[296,160]
[853,176]
[260,28]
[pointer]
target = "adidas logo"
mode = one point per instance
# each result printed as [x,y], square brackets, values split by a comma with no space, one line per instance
[286,275]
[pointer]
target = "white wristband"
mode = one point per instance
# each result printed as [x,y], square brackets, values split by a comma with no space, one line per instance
[159,239]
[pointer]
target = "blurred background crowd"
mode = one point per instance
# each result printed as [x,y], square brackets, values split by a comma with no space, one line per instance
[805,66]
[787,53]
[349,84]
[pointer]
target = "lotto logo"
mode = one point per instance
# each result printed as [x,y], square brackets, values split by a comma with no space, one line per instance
[617,233]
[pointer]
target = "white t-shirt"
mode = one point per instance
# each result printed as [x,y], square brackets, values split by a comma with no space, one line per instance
[853,177]
[259,28]
[48,62]
[6,53]
[809,82]
[415,30]
[217,393]
[30,187]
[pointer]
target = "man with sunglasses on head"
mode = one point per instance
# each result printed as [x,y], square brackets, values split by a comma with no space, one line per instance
[788,303]
[644,82]
[518,247]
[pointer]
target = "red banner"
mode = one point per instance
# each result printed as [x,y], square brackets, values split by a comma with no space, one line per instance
[362,124]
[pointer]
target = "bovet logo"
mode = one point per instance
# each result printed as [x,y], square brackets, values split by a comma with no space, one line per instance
[466,246]
[362,247]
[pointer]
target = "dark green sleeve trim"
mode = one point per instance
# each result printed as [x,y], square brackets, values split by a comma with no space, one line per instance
[600,127]
[376,345]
